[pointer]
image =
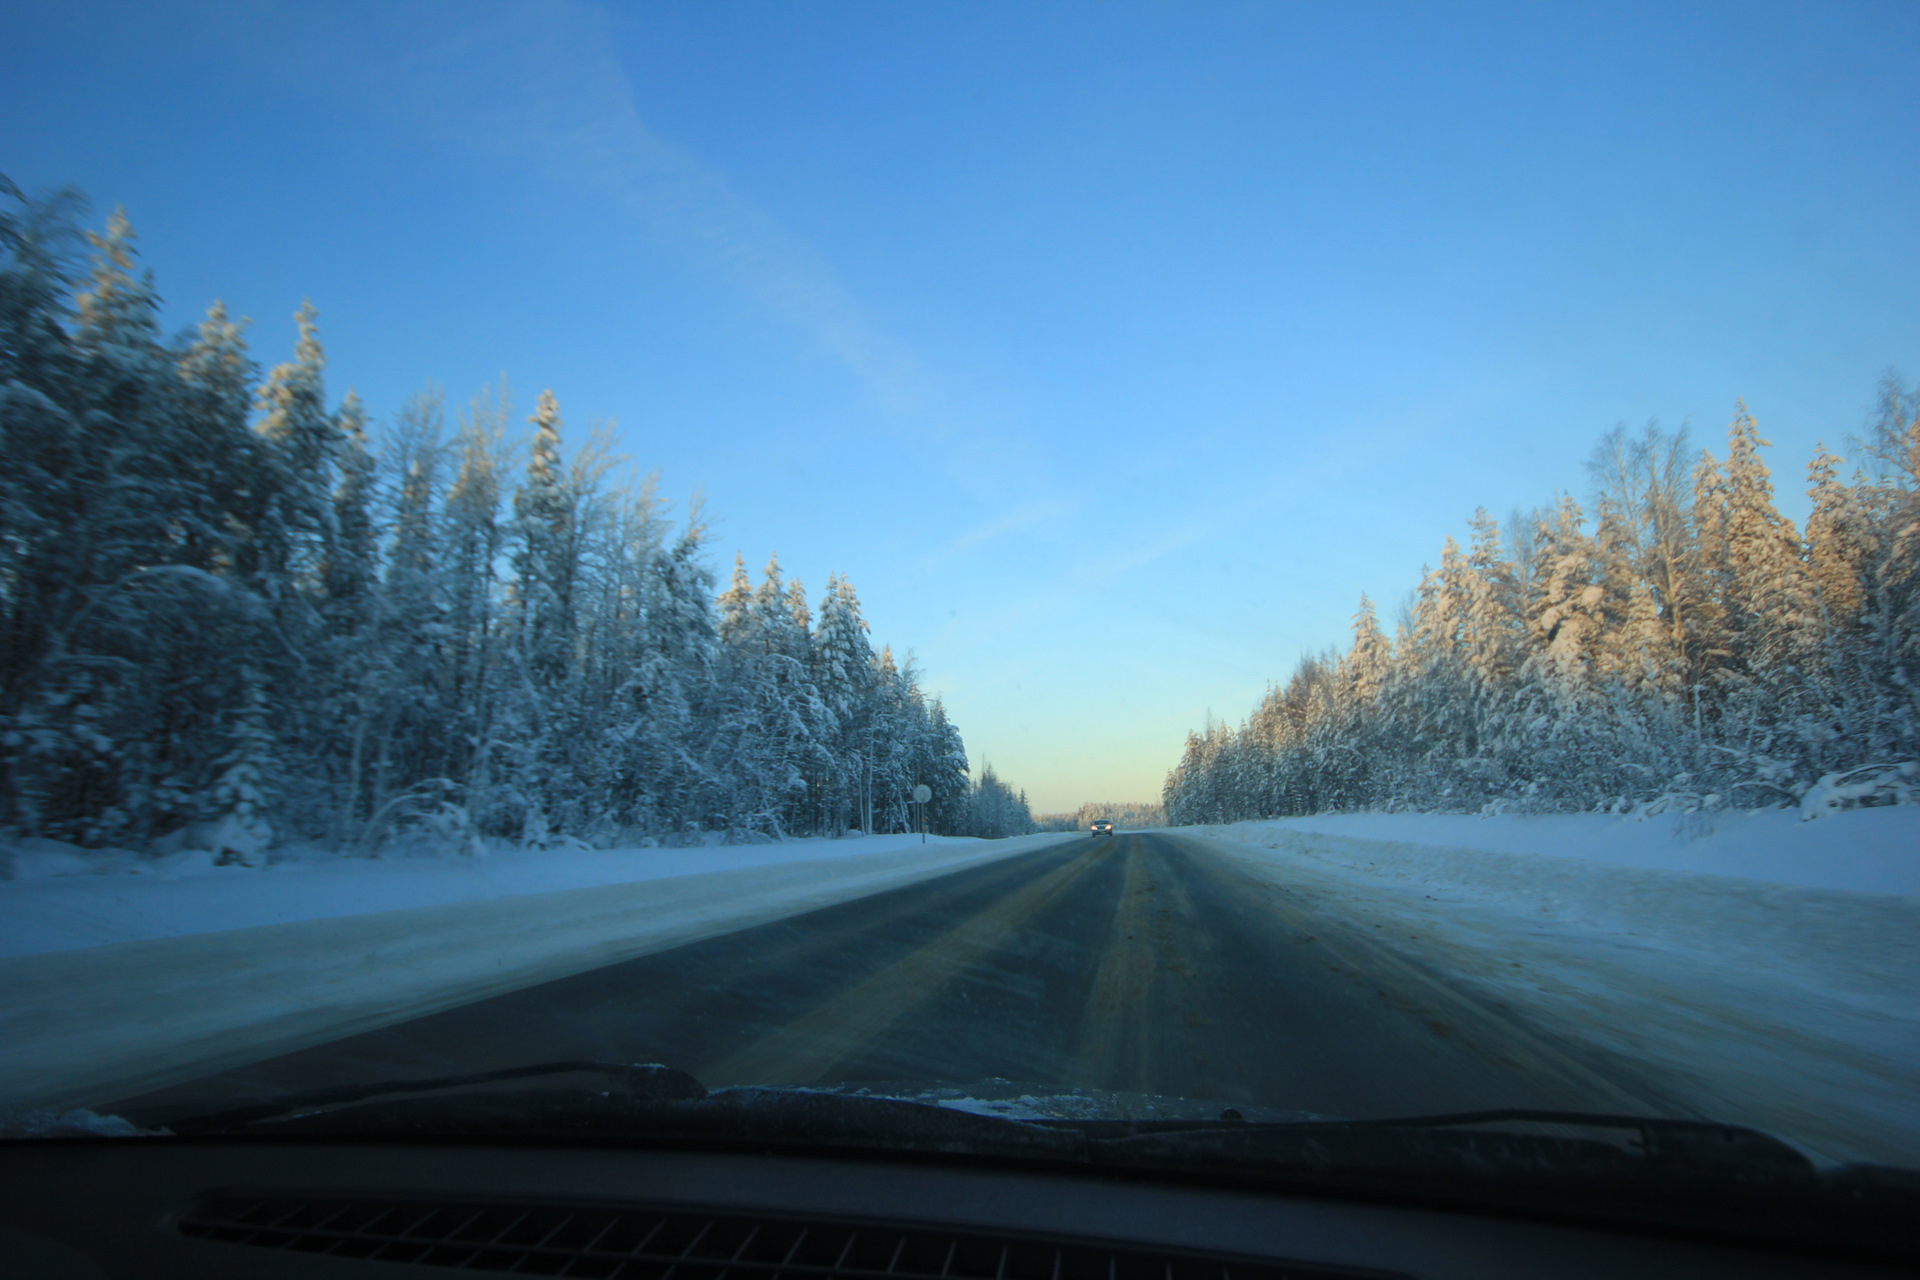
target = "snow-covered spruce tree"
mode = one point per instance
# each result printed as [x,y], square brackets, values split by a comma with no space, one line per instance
[946,771]
[842,671]
[1766,597]
[674,780]
[220,531]
[240,832]
[473,539]
[298,461]
[544,514]
[350,563]
[894,710]
[1840,550]
[772,716]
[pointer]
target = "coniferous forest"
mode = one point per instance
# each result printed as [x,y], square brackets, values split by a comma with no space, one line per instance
[1679,645]
[232,609]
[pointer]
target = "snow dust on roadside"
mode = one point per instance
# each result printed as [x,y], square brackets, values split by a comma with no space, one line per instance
[1790,1008]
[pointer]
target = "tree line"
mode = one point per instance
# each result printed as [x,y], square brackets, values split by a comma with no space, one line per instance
[1682,645]
[231,610]
[1124,814]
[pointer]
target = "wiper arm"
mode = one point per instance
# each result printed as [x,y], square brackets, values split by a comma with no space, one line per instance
[1504,1144]
[648,1102]
[642,1082]
[1694,1144]
[1638,1170]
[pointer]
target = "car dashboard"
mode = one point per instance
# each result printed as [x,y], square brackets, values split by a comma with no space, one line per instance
[147,1208]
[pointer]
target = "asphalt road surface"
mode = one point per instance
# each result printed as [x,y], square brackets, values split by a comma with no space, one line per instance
[1139,964]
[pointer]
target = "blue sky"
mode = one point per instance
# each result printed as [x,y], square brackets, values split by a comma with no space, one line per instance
[1112,349]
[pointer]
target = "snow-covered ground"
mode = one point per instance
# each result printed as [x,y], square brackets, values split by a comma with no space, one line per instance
[120,982]
[1874,850]
[1746,967]
[61,898]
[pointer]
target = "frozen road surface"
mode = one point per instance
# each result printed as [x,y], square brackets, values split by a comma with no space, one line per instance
[1142,964]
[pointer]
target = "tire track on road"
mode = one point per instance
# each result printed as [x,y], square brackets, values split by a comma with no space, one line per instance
[808,1048]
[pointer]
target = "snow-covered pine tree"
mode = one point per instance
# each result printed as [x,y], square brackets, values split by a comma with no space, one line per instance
[216,392]
[842,671]
[682,788]
[1491,609]
[1766,597]
[1839,544]
[240,833]
[351,563]
[1711,660]
[544,564]
[735,605]
[416,458]
[947,772]
[297,477]
[473,540]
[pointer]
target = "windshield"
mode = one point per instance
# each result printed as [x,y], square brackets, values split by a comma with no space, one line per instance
[554,538]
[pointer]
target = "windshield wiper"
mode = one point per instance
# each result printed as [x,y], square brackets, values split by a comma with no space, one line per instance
[1641,1171]
[624,1103]
[1631,1170]
[1546,1136]
[649,1081]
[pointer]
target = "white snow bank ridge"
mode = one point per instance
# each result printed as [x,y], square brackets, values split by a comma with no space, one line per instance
[376,944]
[1871,850]
[62,898]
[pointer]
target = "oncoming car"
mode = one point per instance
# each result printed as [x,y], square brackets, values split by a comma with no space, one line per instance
[1101,827]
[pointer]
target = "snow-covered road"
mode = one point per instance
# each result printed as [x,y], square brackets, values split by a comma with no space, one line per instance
[1748,967]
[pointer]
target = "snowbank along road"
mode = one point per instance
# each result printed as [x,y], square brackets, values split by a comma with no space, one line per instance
[1152,964]
[82,1024]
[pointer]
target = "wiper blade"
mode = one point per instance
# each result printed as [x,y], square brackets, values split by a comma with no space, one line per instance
[1503,1145]
[647,1081]
[1640,1171]
[1635,1170]
[1692,1143]
[646,1102]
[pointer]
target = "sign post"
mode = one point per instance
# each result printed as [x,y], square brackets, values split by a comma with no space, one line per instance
[922,794]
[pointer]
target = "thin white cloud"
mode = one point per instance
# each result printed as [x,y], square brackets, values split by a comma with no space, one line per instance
[537,84]
[1013,521]
[536,90]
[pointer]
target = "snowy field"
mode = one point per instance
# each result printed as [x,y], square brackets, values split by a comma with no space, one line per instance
[118,981]
[1748,967]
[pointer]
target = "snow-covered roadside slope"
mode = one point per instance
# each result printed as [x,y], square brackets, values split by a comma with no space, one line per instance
[1792,1009]
[1876,850]
[79,1027]
[63,898]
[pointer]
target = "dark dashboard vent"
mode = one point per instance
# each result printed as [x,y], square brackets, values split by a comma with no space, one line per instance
[674,1244]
